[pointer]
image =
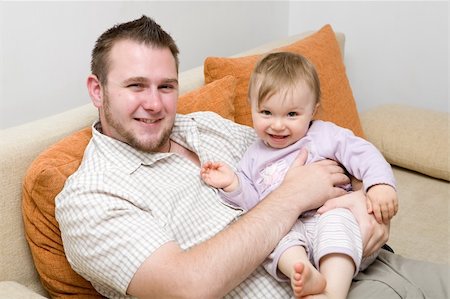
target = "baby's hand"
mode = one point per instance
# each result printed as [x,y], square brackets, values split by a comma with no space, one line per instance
[219,175]
[382,201]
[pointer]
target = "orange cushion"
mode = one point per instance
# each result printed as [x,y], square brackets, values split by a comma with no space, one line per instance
[322,49]
[217,97]
[47,174]
[43,181]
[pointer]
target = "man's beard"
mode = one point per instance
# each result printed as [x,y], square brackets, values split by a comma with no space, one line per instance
[127,136]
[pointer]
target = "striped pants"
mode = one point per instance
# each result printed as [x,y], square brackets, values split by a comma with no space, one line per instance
[335,231]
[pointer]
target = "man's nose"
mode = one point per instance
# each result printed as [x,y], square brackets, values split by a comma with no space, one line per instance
[152,100]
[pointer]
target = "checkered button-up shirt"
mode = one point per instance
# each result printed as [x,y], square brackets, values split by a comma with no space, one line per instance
[122,204]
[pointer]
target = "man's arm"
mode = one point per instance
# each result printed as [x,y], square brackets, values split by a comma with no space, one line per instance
[213,268]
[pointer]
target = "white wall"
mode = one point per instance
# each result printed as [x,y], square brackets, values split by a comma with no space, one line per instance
[45,46]
[396,51]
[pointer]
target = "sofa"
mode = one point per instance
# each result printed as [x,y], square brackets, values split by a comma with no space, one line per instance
[414,140]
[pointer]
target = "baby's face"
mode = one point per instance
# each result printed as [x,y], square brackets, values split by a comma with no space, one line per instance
[283,118]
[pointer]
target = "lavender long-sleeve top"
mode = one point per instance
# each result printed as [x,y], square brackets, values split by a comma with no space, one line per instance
[262,168]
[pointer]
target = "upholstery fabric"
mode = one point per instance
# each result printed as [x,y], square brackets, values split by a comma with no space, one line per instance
[385,126]
[422,199]
[12,289]
[218,97]
[322,49]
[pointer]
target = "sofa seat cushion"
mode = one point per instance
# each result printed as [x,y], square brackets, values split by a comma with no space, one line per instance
[420,230]
[322,49]
[47,174]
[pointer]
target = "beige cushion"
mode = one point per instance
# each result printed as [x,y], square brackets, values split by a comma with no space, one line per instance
[404,135]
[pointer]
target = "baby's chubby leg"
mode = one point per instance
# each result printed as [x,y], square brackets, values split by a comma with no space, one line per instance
[337,252]
[338,270]
[305,279]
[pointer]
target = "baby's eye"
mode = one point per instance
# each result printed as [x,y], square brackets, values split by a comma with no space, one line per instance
[292,114]
[265,112]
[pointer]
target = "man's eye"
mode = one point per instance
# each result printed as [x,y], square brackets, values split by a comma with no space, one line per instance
[292,114]
[136,85]
[166,86]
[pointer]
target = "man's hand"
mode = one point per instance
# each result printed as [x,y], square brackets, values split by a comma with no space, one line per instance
[374,234]
[315,181]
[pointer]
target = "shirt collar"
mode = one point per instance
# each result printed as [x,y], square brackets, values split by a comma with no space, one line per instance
[121,154]
[126,157]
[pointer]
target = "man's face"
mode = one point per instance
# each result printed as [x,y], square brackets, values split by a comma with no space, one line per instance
[140,98]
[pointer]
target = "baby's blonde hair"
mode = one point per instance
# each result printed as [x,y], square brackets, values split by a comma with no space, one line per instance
[282,71]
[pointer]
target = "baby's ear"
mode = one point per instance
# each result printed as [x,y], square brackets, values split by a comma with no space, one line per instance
[316,108]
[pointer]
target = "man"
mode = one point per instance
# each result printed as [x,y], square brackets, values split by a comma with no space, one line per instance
[136,219]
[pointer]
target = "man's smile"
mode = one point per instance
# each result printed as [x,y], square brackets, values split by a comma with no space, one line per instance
[147,121]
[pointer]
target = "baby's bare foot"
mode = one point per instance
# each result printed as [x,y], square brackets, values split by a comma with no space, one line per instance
[306,280]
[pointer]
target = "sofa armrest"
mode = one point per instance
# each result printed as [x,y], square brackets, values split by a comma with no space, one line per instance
[14,290]
[19,146]
[409,137]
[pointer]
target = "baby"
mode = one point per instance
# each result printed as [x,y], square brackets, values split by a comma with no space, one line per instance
[322,253]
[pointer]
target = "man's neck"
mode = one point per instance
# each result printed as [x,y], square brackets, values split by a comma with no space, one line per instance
[184,152]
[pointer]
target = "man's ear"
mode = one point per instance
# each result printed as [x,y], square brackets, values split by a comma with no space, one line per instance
[95,90]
